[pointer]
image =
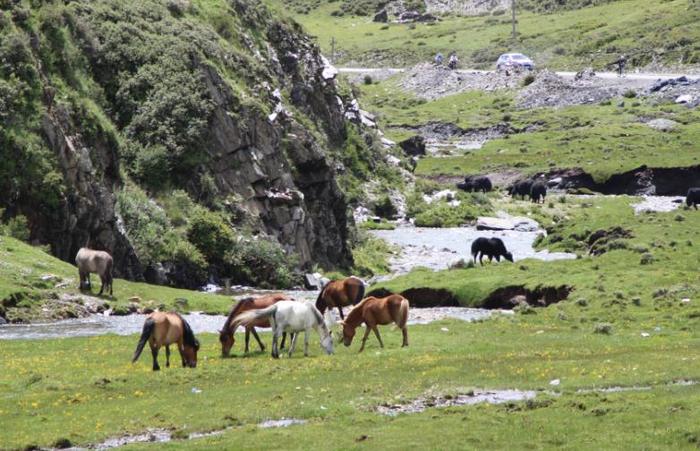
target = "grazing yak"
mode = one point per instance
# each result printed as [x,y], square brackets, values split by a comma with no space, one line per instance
[692,199]
[521,189]
[538,191]
[100,262]
[490,247]
[475,183]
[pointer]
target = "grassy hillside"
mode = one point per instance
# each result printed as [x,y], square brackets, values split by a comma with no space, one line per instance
[603,139]
[25,287]
[650,32]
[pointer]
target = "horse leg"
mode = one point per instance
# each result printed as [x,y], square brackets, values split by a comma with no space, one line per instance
[405,336]
[294,343]
[247,339]
[275,351]
[306,342]
[284,340]
[262,346]
[376,332]
[102,285]
[154,353]
[340,310]
[364,339]
[167,356]
[481,259]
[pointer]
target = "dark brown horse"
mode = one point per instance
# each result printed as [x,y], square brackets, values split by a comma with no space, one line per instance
[339,293]
[164,329]
[226,333]
[373,311]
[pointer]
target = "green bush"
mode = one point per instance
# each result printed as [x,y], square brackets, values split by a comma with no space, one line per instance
[260,262]
[17,227]
[211,234]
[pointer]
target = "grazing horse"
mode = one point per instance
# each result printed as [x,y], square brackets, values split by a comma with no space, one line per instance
[164,329]
[339,293]
[491,247]
[226,333]
[292,317]
[100,262]
[373,311]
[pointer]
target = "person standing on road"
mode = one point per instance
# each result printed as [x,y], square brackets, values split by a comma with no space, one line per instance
[438,59]
[621,65]
[452,63]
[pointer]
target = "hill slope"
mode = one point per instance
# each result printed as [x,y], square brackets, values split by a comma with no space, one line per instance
[561,35]
[167,132]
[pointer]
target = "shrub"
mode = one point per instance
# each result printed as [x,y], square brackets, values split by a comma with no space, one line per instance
[385,208]
[17,227]
[603,328]
[152,167]
[647,259]
[210,233]
[368,80]
[528,79]
[260,262]
[630,94]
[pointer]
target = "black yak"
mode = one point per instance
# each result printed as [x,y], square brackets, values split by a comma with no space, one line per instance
[490,247]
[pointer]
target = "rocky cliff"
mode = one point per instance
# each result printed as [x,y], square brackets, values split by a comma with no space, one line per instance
[220,99]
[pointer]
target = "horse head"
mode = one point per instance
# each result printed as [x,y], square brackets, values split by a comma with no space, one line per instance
[227,340]
[348,333]
[190,353]
[326,339]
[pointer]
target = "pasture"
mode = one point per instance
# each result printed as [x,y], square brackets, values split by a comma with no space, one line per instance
[85,390]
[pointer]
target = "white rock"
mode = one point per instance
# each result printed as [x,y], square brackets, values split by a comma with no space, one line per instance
[685,98]
[645,334]
[329,71]
[555,382]
[662,125]
[685,300]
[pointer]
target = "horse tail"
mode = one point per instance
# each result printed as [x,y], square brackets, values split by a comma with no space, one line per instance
[248,317]
[148,327]
[403,313]
[360,292]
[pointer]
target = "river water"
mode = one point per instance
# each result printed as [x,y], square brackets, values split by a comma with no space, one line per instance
[437,249]
[432,248]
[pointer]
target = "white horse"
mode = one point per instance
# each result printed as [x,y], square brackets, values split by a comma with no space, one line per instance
[291,317]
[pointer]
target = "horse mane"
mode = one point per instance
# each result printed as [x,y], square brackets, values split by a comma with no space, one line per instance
[319,300]
[318,315]
[234,311]
[188,334]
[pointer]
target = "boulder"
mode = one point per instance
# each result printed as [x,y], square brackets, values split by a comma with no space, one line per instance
[685,98]
[311,282]
[489,223]
[413,146]
[382,16]
[662,125]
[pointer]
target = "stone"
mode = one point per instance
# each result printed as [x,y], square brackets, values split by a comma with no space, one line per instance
[382,16]
[311,282]
[662,125]
[134,299]
[685,98]
[489,223]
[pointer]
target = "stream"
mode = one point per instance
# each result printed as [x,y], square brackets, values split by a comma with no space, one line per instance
[435,249]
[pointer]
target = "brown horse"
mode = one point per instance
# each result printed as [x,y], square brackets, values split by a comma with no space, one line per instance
[100,262]
[339,293]
[226,333]
[164,329]
[373,311]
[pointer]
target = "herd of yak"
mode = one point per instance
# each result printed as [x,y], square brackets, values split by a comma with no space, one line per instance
[536,190]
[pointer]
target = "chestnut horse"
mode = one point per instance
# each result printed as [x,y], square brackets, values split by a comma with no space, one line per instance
[339,293]
[226,333]
[373,311]
[164,329]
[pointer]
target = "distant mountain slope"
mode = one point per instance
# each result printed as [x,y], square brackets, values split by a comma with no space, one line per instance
[559,34]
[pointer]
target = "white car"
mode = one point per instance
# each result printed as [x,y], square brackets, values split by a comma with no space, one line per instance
[514,61]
